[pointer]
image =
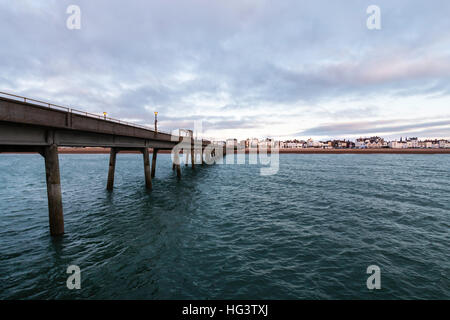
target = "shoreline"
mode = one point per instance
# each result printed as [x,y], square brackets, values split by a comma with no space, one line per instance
[366,151]
[99,150]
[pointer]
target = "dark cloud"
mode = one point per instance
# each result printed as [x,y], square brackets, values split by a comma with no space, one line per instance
[376,128]
[217,122]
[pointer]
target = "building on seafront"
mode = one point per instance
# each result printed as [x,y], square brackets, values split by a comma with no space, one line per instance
[374,142]
[370,143]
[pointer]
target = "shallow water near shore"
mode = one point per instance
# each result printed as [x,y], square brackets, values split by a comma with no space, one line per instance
[226,232]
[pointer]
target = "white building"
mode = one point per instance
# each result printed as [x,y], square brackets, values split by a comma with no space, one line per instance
[398,144]
[360,143]
[412,143]
[442,143]
[372,142]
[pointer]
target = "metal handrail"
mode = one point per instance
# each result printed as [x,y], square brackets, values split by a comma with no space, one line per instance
[84,113]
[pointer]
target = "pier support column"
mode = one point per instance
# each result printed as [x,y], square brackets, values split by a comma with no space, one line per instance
[178,171]
[177,165]
[202,151]
[193,157]
[55,208]
[186,157]
[148,178]
[155,153]
[112,169]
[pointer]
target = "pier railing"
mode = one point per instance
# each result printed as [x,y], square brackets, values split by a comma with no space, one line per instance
[76,111]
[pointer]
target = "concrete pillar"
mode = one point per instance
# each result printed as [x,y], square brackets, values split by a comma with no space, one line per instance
[148,177]
[177,164]
[187,157]
[178,172]
[202,151]
[193,157]
[55,208]
[112,169]
[155,153]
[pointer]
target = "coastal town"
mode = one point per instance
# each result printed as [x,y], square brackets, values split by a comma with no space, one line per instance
[360,143]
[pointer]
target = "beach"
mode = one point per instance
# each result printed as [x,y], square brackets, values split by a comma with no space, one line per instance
[91,150]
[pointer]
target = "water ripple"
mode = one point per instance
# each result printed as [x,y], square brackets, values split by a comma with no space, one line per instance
[226,232]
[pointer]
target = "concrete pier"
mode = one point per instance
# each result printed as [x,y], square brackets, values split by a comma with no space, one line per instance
[29,125]
[202,151]
[55,208]
[148,178]
[193,157]
[176,164]
[112,169]
[155,153]
[178,171]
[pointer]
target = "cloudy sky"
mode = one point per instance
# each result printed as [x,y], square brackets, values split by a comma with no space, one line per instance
[246,68]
